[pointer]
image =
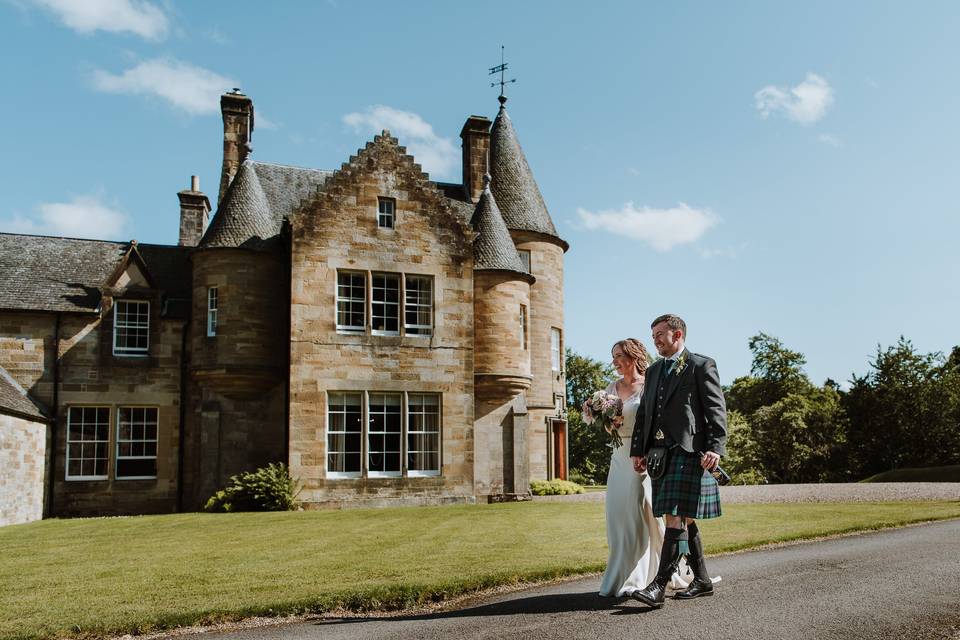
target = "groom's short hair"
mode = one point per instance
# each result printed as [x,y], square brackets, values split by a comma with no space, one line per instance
[675,323]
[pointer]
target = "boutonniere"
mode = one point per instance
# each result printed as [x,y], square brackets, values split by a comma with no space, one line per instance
[681,363]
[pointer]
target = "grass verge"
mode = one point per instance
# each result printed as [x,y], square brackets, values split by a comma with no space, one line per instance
[927,474]
[102,576]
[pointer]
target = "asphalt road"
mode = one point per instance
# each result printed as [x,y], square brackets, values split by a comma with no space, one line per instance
[892,584]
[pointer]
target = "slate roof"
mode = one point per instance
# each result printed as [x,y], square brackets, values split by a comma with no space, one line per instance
[43,273]
[493,248]
[244,218]
[260,198]
[14,399]
[515,189]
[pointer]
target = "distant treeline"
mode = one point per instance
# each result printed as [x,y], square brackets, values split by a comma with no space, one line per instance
[905,412]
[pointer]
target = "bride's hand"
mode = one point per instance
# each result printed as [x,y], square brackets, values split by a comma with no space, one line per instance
[618,421]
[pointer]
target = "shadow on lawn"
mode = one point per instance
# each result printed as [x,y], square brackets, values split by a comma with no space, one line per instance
[554,603]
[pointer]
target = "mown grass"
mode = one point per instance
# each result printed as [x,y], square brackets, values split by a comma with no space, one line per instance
[928,474]
[100,576]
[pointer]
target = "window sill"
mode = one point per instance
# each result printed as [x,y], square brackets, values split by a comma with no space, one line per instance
[86,478]
[124,478]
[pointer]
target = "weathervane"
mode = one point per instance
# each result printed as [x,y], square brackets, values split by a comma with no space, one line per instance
[501,69]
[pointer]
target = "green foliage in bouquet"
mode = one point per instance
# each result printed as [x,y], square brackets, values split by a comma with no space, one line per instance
[555,488]
[269,488]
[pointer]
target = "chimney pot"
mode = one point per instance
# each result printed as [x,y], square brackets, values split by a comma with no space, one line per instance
[194,183]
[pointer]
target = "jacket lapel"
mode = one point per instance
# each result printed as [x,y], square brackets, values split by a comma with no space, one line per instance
[674,380]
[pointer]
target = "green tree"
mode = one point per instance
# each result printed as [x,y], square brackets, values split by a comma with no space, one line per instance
[905,412]
[589,453]
[787,429]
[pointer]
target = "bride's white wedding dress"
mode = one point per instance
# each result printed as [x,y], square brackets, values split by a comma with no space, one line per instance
[634,535]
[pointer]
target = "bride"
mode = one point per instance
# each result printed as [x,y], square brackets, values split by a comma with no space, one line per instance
[634,535]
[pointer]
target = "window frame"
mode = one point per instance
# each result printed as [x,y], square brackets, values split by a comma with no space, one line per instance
[67,442]
[423,473]
[368,445]
[345,328]
[213,300]
[373,303]
[156,442]
[558,351]
[526,257]
[390,216]
[340,475]
[524,331]
[405,434]
[128,352]
[419,330]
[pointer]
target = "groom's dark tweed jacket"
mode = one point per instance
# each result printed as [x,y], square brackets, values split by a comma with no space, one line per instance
[693,413]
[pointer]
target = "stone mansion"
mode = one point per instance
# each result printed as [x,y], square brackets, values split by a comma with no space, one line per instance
[393,339]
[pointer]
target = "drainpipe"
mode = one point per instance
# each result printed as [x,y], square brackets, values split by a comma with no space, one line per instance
[55,425]
[181,435]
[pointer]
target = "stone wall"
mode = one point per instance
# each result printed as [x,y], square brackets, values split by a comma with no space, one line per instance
[90,375]
[23,449]
[339,231]
[546,303]
[26,351]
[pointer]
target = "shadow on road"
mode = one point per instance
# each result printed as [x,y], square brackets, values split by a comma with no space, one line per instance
[558,603]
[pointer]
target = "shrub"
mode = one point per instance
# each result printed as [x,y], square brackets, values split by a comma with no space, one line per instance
[554,488]
[269,488]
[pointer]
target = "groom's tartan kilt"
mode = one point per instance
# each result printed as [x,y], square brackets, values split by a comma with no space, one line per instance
[685,489]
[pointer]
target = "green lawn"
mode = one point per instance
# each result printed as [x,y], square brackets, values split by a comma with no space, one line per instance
[927,474]
[89,577]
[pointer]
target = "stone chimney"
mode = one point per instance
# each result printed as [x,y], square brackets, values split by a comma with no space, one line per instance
[476,148]
[237,110]
[194,214]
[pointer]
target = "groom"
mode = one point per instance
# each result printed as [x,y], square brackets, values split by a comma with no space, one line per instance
[682,408]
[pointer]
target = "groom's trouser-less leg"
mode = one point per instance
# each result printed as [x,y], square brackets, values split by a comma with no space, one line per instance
[701,585]
[653,594]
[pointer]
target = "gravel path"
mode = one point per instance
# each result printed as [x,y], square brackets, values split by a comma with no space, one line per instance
[838,492]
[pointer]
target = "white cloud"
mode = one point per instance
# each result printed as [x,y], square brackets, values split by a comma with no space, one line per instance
[192,89]
[805,103]
[83,217]
[662,229]
[438,156]
[830,139]
[88,16]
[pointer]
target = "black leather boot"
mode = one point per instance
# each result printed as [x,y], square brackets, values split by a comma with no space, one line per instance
[653,594]
[701,586]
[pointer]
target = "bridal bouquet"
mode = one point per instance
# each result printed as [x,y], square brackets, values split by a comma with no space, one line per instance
[604,408]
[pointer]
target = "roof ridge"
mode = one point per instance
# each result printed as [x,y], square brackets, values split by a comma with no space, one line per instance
[291,166]
[40,235]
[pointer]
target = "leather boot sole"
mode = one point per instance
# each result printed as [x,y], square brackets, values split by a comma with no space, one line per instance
[702,594]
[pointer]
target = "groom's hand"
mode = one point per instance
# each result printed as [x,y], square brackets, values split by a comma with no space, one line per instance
[710,460]
[639,463]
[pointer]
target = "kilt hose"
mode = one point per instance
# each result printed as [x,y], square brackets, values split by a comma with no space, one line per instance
[685,489]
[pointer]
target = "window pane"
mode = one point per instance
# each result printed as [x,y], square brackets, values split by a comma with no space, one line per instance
[136,442]
[344,416]
[418,307]
[87,440]
[131,326]
[385,311]
[423,433]
[351,301]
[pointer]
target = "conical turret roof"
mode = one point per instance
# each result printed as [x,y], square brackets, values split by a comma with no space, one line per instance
[243,218]
[493,249]
[516,191]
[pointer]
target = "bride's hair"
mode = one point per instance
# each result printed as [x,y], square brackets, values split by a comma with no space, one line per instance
[634,349]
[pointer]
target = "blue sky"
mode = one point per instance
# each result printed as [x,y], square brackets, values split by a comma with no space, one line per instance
[753,166]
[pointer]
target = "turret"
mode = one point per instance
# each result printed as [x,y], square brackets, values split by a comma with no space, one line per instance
[542,250]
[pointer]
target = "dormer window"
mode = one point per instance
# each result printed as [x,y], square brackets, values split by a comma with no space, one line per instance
[131,327]
[385,212]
